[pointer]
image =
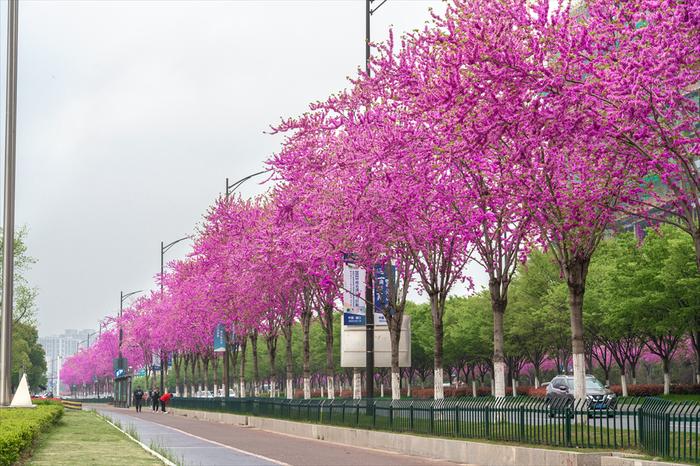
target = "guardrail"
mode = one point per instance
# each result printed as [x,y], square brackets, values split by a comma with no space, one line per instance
[652,425]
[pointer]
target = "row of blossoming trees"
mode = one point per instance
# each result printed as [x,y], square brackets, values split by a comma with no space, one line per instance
[499,128]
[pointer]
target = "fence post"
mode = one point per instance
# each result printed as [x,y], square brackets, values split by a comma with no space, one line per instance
[666,450]
[432,416]
[374,414]
[487,422]
[569,415]
[522,423]
[411,417]
[458,427]
[391,417]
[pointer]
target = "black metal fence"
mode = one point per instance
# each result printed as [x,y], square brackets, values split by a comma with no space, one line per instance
[655,426]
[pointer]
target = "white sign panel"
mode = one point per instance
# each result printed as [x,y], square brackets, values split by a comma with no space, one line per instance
[353,350]
[354,289]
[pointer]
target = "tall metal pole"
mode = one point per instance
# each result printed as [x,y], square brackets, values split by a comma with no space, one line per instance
[369,295]
[9,207]
[121,332]
[162,253]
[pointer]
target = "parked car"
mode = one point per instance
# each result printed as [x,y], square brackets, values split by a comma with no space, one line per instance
[560,394]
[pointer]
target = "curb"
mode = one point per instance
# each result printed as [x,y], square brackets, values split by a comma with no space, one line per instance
[141,444]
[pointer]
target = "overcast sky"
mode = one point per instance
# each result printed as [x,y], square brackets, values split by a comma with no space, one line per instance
[131,114]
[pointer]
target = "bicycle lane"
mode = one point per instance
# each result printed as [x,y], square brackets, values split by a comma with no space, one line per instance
[270,446]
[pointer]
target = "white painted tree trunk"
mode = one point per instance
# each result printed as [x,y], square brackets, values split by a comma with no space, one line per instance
[381,390]
[438,389]
[331,388]
[242,389]
[307,388]
[623,382]
[537,382]
[579,376]
[289,390]
[667,383]
[514,385]
[395,386]
[185,391]
[697,378]
[580,383]
[474,388]
[356,384]
[321,391]
[193,391]
[499,379]
[408,387]
[216,390]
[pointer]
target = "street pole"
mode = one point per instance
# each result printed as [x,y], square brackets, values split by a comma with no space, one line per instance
[163,249]
[9,206]
[369,313]
[226,356]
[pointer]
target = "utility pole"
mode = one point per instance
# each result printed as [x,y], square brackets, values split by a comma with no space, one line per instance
[9,205]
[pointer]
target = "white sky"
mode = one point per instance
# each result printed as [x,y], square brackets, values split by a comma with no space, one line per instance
[131,114]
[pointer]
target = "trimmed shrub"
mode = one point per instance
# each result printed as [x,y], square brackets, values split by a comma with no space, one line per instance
[19,428]
[656,389]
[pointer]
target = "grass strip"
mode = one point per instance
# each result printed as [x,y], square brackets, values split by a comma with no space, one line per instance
[82,438]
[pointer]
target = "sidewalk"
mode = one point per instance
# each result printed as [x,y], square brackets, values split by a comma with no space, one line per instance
[184,448]
[199,442]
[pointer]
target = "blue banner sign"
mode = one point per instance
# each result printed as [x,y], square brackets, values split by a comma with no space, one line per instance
[381,287]
[353,319]
[220,338]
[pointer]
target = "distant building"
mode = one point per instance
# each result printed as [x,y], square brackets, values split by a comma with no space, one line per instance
[59,347]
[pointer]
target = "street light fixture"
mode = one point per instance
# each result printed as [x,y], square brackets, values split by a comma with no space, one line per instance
[163,249]
[124,296]
[231,187]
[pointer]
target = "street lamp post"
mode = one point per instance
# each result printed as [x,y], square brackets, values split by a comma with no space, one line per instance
[369,295]
[9,206]
[230,189]
[119,392]
[163,249]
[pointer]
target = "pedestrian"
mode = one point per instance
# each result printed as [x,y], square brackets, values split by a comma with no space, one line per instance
[138,399]
[164,400]
[155,395]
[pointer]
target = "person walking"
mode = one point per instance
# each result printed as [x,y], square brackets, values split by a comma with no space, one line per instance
[155,395]
[164,400]
[138,399]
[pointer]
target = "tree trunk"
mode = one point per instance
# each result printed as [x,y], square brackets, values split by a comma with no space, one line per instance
[356,384]
[177,364]
[205,363]
[256,372]
[234,364]
[437,311]
[576,271]
[306,325]
[395,339]
[330,363]
[241,377]
[623,380]
[289,389]
[271,341]
[498,307]
[667,376]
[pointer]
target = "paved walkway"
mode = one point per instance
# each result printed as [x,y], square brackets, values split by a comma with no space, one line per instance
[197,442]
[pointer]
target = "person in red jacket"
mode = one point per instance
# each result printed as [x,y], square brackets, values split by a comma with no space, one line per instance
[164,400]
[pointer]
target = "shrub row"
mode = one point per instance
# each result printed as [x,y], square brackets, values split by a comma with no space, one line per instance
[19,427]
[425,393]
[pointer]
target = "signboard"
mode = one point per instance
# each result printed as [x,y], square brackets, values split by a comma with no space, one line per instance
[353,349]
[220,338]
[141,373]
[382,275]
[119,363]
[353,319]
[354,289]
[119,373]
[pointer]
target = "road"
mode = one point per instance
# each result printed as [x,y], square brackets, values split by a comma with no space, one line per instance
[197,442]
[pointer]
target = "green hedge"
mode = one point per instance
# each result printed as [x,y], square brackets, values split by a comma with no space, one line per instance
[19,427]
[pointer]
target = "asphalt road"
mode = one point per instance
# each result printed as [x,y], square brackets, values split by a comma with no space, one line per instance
[197,442]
